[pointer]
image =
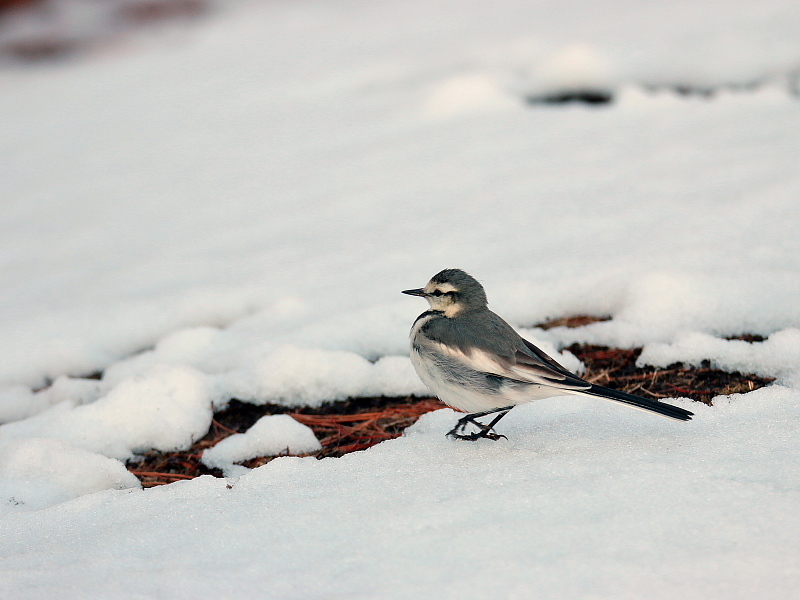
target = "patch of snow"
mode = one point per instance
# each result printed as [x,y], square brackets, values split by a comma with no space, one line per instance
[36,473]
[271,435]
[572,69]
[777,356]
[585,499]
[295,376]
[167,409]
[18,402]
[467,93]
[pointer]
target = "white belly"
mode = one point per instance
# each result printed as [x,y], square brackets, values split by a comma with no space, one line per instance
[460,396]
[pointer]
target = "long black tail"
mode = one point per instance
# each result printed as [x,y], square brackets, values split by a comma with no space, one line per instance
[673,412]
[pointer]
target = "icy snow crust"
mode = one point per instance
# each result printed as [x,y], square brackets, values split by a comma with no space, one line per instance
[233,211]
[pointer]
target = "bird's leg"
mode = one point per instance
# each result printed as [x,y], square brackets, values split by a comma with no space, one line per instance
[485,431]
[470,418]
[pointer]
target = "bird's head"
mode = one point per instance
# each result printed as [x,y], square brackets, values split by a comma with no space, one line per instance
[452,291]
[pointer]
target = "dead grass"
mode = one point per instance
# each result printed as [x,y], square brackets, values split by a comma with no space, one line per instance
[573,321]
[341,427]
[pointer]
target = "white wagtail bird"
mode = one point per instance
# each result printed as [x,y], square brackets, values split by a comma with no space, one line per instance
[475,362]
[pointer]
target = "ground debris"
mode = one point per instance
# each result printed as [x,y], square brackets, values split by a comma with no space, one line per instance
[616,368]
[572,321]
[358,423]
[341,427]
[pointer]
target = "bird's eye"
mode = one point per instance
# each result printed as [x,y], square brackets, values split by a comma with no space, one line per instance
[436,293]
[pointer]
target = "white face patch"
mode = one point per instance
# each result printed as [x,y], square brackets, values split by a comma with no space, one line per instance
[440,297]
[442,287]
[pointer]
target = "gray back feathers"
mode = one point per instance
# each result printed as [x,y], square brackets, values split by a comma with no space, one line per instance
[475,329]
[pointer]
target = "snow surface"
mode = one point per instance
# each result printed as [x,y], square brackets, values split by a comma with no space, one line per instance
[36,473]
[584,500]
[233,212]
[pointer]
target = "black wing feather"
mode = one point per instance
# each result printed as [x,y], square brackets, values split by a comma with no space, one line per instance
[655,406]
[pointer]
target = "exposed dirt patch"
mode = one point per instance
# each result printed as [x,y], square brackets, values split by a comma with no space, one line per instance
[747,337]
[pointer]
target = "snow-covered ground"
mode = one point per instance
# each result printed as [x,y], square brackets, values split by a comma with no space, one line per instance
[232,212]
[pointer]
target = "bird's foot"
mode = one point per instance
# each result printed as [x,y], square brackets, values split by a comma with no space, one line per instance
[484,431]
[488,434]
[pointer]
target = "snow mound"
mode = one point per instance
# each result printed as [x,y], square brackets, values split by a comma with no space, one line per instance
[166,409]
[36,473]
[270,436]
[20,402]
[468,93]
[307,376]
[778,355]
[575,68]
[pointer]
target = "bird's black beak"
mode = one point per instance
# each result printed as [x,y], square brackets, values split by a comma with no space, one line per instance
[418,292]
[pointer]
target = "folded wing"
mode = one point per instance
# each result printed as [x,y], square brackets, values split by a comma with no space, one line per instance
[526,365]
